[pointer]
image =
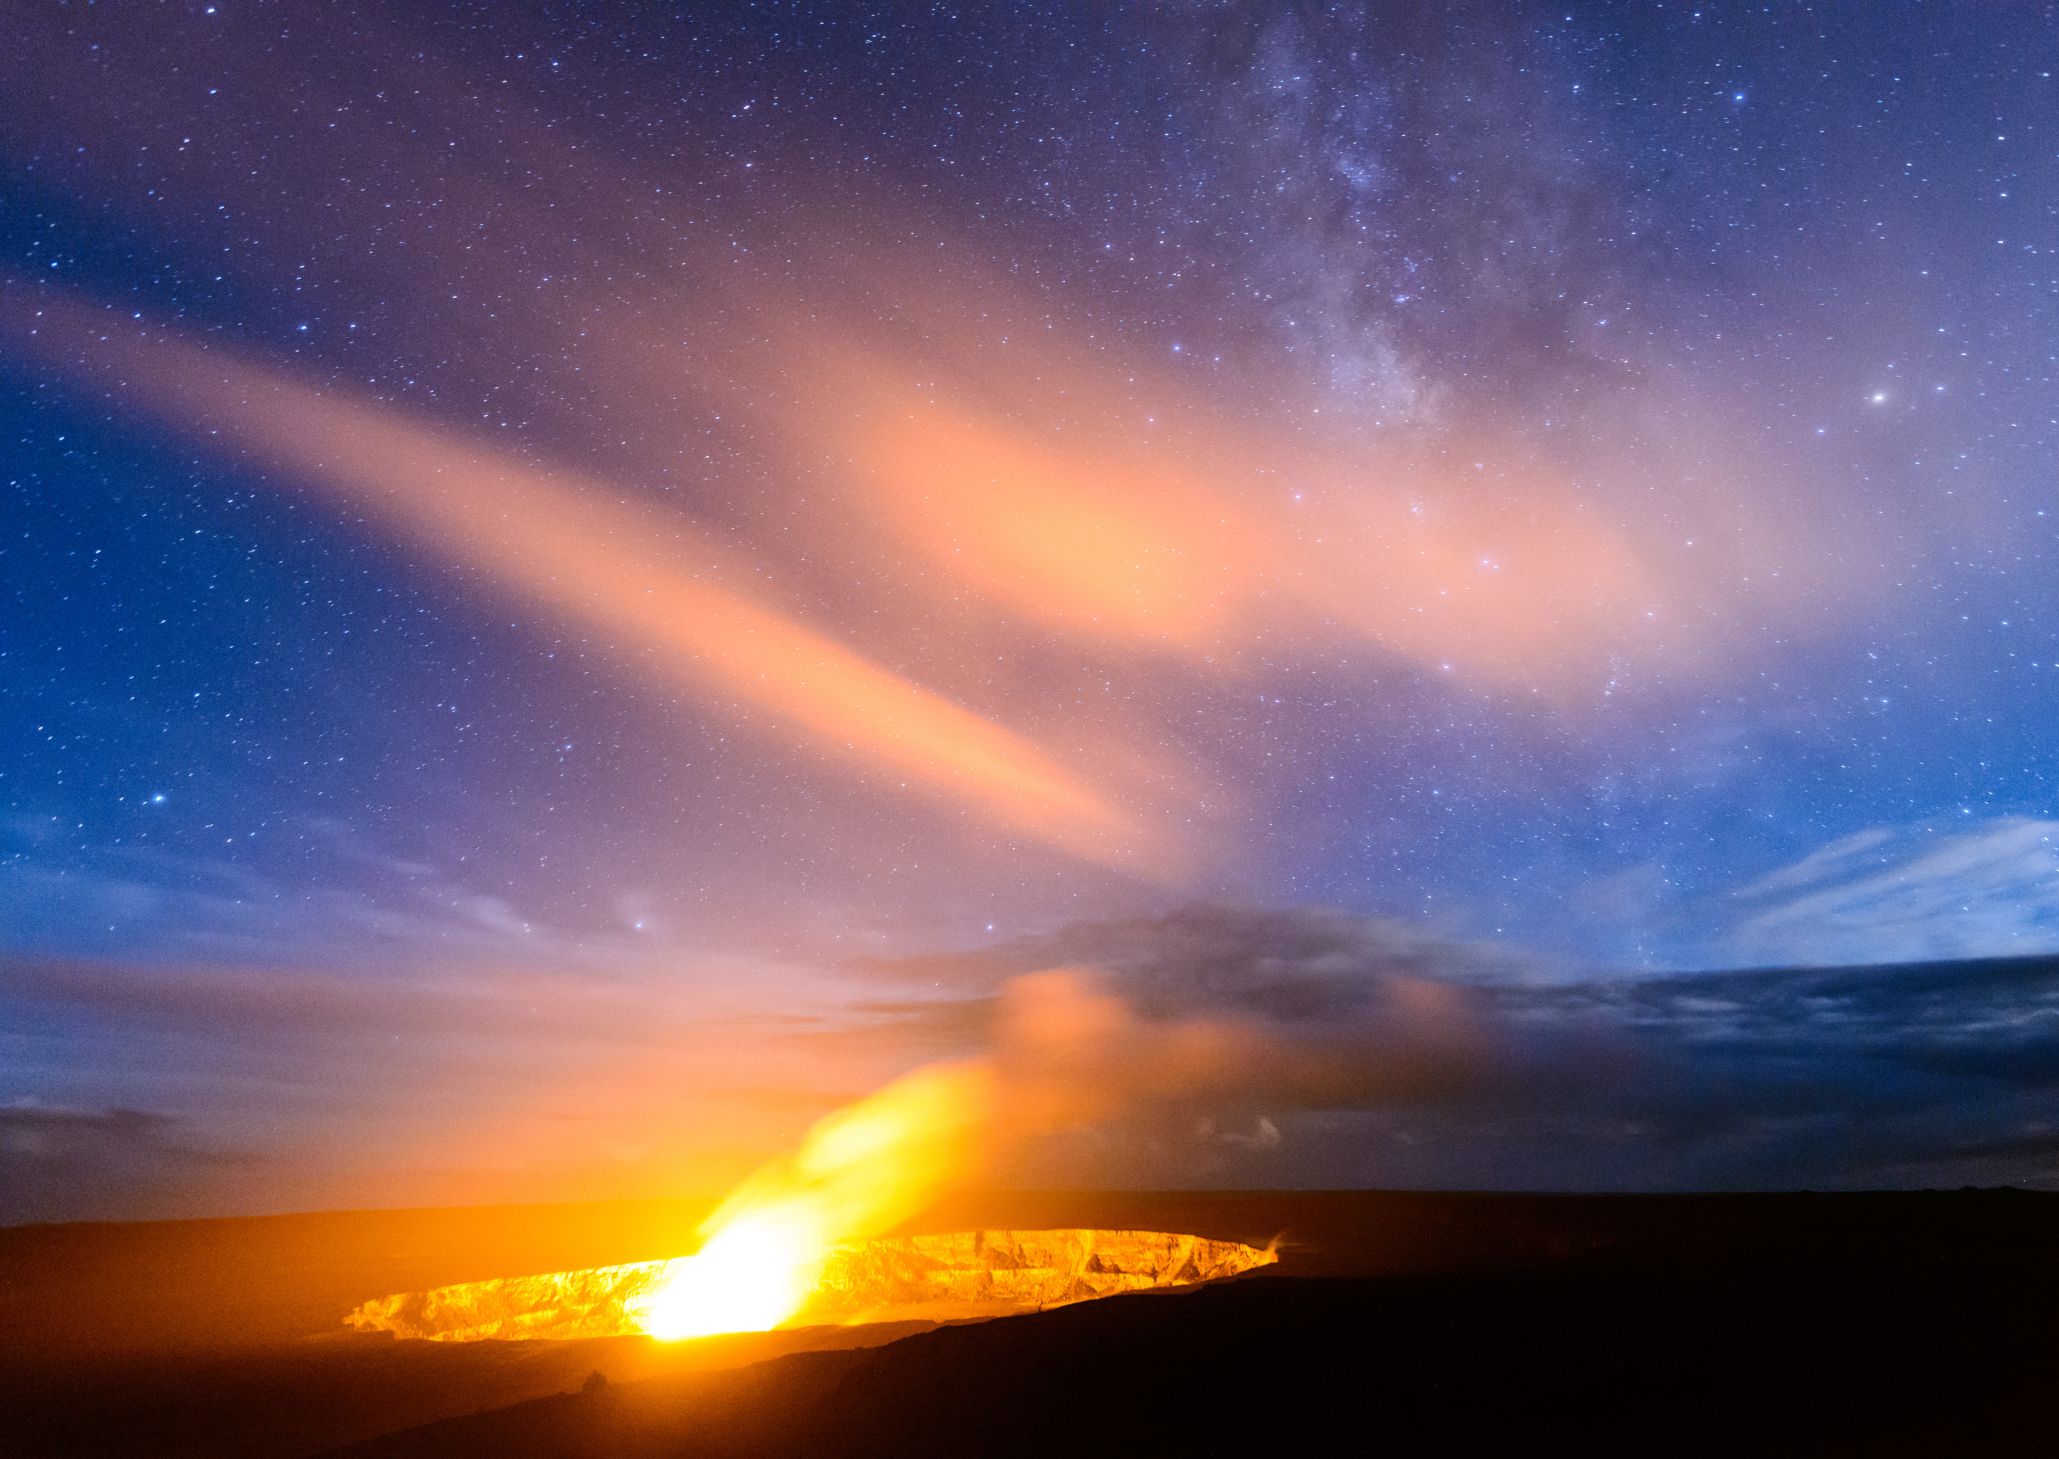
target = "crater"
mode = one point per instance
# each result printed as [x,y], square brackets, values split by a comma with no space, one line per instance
[940,1278]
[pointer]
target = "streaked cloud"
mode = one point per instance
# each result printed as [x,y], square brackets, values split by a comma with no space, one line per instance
[1983,888]
[1123,505]
[675,602]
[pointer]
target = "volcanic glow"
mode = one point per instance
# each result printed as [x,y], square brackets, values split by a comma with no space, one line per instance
[1067,1052]
[947,1277]
[860,1172]
[805,1239]
[752,1275]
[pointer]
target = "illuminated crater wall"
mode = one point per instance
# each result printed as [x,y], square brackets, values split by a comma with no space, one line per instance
[958,1275]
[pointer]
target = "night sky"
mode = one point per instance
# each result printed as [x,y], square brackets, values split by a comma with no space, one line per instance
[579,584]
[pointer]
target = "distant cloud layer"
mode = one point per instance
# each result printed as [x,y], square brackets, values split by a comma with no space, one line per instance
[1218,1046]
[1891,894]
[1478,1069]
[51,1155]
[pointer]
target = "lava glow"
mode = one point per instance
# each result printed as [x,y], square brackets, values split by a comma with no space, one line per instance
[938,1277]
[752,1275]
[806,1239]
[860,1171]
[1067,1052]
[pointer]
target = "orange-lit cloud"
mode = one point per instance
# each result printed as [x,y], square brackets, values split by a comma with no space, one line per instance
[1127,509]
[580,547]
[1019,461]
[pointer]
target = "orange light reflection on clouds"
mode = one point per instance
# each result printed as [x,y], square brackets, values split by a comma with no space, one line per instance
[577,546]
[1124,507]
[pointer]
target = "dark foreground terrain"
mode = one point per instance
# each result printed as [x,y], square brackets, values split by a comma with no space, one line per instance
[1861,1324]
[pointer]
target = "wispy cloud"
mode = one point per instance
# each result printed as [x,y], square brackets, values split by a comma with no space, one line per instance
[184,906]
[676,602]
[1897,893]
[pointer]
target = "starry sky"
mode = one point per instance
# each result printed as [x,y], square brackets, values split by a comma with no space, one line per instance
[581,583]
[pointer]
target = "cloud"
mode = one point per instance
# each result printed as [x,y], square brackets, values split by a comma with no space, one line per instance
[1128,505]
[671,599]
[60,1163]
[409,1083]
[1892,893]
[1377,1056]
[1218,1046]
[1305,959]
[182,905]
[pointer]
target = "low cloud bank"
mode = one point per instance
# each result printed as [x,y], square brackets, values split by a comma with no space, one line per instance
[1218,1046]
[57,1160]
[1355,1051]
